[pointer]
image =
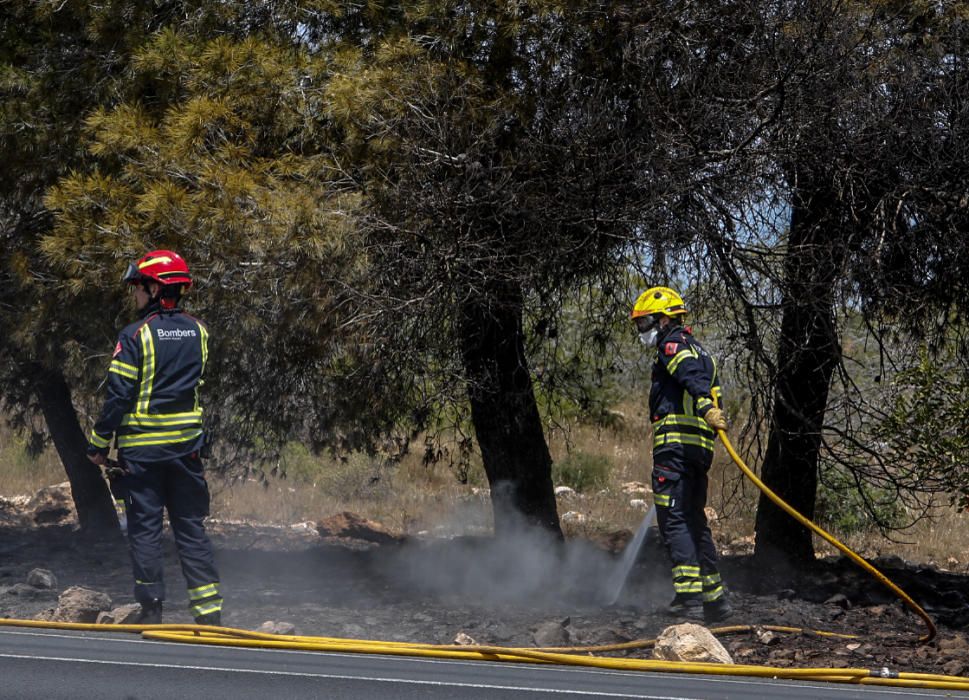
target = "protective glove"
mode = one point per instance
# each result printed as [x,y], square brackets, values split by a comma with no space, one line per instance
[114,469]
[715,419]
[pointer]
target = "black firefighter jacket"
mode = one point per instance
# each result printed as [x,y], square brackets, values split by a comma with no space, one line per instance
[684,387]
[152,405]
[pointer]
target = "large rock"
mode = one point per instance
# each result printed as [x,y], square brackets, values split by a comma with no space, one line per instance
[553,634]
[42,578]
[122,615]
[51,505]
[78,604]
[353,526]
[25,591]
[277,627]
[689,642]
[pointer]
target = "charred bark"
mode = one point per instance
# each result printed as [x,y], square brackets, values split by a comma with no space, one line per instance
[92,499]
[808,353]
[505,414]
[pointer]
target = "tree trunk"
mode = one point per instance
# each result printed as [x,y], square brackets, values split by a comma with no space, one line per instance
[92,499]
[505,415]
[808,353]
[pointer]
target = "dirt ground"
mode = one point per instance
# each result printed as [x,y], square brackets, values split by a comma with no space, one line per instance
[535,594]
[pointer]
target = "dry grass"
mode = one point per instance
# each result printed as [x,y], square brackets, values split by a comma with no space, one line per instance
[22,474]
[412,497]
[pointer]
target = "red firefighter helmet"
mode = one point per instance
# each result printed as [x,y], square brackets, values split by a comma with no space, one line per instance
[162,266]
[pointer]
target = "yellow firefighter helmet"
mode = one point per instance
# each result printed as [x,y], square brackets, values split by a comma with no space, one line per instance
[658,300]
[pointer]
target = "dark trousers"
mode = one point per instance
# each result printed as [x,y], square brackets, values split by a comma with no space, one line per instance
[680,495]
[179,486]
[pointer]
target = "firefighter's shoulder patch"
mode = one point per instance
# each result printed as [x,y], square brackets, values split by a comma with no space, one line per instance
[117,349]
[669,348]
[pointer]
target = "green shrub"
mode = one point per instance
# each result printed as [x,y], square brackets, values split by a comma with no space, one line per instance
[842,507]
[582,471]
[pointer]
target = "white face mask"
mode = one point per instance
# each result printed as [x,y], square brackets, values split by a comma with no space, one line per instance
[649,337]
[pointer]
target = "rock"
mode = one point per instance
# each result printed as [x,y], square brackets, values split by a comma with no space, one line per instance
[41,578]
[639,504]
[839,599]
[51,504]
[277,627]
[78,604]
[782,655]
[786,594]
[955,667]
[126,614]
[955,644]
[635,488]
[766,637]
[104,618]
[355,527]
[27,592]
[463,639]
[573,517]
[690,642]
[553,634]
[711,514]
[564,492]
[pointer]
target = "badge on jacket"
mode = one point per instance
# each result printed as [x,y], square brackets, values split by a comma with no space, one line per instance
[117,349]
[669,348]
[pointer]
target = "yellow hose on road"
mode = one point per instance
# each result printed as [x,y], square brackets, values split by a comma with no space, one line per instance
[830,539]
[572,656]
[227,636]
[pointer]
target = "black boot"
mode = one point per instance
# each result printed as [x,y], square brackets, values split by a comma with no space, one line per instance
[686,606]
[151,613]
[717,610]
[212,618]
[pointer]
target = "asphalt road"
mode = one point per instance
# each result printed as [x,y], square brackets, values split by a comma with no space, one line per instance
[52,665]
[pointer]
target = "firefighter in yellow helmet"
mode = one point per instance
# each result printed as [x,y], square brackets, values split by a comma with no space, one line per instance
[684,405]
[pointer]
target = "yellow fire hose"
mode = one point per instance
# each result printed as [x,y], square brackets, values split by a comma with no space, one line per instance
[931,630]
[572,656]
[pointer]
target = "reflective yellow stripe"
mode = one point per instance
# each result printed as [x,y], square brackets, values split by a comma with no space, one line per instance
[124,369]
[683,439]
[206,608]
[147,368]
[161,438]
[711,580]
[688,587]
[678,358]
[715,594]
[203,591]
[685,570]
[679,419]
[661,499]
[146,420]
[688,407]
[124,374]
[715,385]
[204,339]
[99,441]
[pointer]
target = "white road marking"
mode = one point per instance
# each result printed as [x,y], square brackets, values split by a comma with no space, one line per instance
[110,636]
[334,676]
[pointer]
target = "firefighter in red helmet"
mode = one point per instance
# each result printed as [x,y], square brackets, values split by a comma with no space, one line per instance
[153,414]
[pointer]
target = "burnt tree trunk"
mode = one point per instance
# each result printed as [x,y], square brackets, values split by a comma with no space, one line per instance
[808,352]
[505,414]
[92,499]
